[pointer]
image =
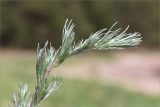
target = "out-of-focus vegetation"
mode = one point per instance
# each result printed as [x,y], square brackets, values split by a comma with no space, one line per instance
[24,23]
[73,93]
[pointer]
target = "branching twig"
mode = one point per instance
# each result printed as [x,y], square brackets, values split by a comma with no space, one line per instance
[49,58]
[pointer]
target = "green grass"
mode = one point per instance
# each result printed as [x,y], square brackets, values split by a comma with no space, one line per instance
[73,93]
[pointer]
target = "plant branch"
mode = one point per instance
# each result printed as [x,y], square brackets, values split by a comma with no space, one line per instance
[48,58]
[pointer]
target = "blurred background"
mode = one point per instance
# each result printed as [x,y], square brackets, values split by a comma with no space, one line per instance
[121,78]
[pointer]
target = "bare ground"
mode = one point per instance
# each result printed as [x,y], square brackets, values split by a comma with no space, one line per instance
[138,71]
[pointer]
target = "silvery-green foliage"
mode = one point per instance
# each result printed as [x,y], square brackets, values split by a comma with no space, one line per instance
[20,99]
[44,89]
[104,40]
[48,58]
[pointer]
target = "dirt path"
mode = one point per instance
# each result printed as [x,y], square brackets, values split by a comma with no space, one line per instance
[137,70]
